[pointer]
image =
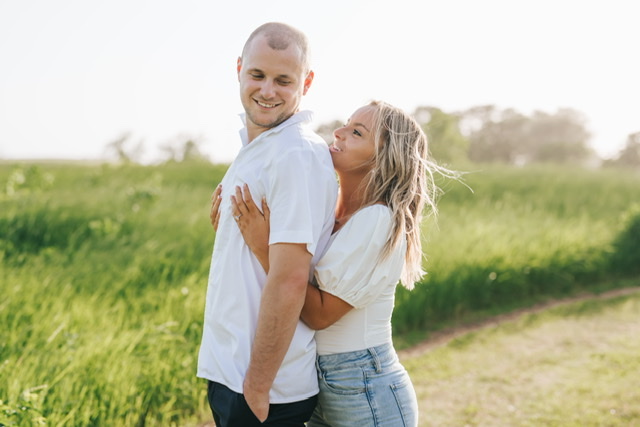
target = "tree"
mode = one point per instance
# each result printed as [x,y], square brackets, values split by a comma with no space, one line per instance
[446,143]
[191,151]
[502,137]
[124,150]
[510,137]
[183,148]
[326,130]
[559,138]
[629,156]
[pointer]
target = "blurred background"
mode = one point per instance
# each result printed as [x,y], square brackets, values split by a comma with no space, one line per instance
[78,77]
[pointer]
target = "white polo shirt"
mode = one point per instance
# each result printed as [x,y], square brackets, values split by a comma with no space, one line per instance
[291,167]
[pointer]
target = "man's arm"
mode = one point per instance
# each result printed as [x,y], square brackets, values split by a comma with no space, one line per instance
[282,300]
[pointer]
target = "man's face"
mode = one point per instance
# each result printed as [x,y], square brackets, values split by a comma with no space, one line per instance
[272,84]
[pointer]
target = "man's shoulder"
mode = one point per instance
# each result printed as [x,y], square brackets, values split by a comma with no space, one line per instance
[299,132]
[298,128]
[300,141]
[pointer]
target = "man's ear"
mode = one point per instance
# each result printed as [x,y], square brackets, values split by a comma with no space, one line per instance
[307,82]
[239,66]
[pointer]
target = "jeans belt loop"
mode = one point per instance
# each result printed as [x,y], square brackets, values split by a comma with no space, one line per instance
[376,359]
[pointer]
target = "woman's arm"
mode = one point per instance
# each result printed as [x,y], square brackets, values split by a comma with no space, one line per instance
[253,224]
[321,309]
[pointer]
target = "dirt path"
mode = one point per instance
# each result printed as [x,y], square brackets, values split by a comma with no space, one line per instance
[439,338]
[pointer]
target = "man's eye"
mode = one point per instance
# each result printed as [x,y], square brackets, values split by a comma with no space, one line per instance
[284,82]
[257,76]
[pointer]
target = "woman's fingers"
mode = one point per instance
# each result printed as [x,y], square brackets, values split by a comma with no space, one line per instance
[235,209]
[247,198]
[215,206]
[214,214]
[265,210]
[217,191]
[243,206]
[244,200]
[239,197]
[216,221]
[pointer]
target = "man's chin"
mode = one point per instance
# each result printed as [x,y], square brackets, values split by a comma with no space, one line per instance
[269,123]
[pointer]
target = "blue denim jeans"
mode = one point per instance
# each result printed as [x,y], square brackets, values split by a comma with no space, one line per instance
[364,388]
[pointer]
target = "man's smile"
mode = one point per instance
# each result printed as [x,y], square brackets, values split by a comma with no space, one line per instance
[266,105]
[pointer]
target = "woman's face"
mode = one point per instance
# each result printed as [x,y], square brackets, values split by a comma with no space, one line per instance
[353,147]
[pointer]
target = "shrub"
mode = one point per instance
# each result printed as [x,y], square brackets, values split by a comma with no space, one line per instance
[625,256]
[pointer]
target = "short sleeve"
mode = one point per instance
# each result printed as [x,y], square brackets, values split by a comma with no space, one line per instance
[299,198]
[352,268]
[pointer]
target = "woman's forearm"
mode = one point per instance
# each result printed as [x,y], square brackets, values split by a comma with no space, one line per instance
[321,309]
[312,307]
[263,257]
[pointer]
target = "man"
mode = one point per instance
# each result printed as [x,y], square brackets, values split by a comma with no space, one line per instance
[258,357]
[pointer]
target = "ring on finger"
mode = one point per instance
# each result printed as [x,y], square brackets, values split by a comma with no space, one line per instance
[237,217]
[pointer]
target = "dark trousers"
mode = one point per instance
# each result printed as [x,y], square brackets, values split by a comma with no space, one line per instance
[231,410]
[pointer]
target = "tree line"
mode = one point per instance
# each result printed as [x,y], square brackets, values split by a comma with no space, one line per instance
[487,134]
[481,134]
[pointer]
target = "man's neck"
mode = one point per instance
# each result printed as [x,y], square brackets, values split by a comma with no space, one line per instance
[253,130]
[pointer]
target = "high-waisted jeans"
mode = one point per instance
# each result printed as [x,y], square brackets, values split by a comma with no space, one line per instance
[364,388]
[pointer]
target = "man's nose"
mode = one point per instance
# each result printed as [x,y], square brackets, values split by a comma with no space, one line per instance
[267,90]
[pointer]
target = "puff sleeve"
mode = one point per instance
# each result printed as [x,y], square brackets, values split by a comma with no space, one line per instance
[352,269]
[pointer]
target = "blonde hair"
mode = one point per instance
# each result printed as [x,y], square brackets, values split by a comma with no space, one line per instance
[402,178]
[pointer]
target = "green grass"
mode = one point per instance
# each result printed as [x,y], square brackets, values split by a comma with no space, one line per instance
[103,285]
[103,276]
[523,236]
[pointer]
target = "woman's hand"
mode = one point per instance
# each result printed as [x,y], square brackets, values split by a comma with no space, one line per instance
[253,224]
[215,207]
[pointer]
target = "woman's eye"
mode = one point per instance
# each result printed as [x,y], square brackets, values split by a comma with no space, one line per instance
[357,132]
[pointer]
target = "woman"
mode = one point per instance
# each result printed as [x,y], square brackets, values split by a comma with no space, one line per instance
[381,160]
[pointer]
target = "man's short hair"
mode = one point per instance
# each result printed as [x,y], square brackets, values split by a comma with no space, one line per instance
[279,37]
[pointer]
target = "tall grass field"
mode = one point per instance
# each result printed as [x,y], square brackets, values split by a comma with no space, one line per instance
[104,271]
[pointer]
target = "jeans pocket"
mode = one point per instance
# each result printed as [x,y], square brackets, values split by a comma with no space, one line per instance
[406,400]
[344,381]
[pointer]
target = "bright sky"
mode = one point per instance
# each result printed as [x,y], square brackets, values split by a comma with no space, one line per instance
[76,74]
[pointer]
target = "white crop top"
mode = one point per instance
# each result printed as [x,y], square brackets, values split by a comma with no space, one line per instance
[352,270]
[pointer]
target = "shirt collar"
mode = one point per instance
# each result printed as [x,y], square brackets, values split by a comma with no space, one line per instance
[304,116]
